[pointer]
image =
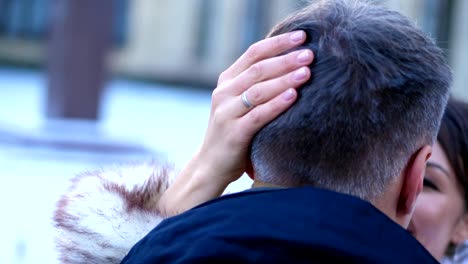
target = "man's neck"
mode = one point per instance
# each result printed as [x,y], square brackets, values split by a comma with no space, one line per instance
[260,184]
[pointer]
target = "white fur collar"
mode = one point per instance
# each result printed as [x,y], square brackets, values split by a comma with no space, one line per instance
[104,213]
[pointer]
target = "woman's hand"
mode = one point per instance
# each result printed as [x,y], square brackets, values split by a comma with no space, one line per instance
[258,87]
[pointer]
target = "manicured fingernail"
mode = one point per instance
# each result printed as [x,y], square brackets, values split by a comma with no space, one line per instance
[288,95]
[297,36]
[300,74]
[303,56]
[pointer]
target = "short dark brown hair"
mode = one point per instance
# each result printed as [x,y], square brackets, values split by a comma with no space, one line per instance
[377,93]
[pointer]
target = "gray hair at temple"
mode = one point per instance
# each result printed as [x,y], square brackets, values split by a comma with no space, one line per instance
[377,93]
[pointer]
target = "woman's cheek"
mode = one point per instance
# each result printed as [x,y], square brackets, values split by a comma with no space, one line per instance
[433,222]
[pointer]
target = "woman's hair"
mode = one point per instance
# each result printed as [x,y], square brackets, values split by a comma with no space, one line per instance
[453,137]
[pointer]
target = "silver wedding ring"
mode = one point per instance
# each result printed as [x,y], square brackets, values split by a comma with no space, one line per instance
[246,101]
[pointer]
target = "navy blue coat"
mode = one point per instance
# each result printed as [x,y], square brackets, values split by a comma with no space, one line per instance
[297,225]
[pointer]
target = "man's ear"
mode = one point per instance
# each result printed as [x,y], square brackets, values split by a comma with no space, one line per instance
[412,182]
[460,234]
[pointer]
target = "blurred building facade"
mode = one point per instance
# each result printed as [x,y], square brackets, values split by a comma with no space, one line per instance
[192,41]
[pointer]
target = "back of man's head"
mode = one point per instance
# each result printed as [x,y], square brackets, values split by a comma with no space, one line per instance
[377,93]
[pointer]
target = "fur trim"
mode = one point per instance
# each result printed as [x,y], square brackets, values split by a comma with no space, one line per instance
[104,213]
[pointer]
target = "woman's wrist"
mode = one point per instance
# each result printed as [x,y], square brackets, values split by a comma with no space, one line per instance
[205,175]
[196,184]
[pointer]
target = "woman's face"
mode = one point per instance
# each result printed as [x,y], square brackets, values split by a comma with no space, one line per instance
[439,214]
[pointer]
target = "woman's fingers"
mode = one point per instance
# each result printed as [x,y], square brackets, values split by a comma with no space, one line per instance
[262,114]
[263,49]
[269,69]
[265,91]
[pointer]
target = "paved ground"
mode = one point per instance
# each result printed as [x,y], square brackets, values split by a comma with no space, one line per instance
[38,157]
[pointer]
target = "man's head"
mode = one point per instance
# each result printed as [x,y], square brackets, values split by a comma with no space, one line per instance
[375,99]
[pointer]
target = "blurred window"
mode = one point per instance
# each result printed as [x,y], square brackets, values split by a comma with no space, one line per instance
[23,18]
[437,20]
[28,19]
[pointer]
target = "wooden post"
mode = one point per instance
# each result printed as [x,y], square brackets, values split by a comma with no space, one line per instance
[80,38]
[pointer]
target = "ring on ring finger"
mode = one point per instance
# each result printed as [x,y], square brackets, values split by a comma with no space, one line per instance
[246,101]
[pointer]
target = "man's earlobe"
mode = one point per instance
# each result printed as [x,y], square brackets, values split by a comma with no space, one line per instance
[413,181]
